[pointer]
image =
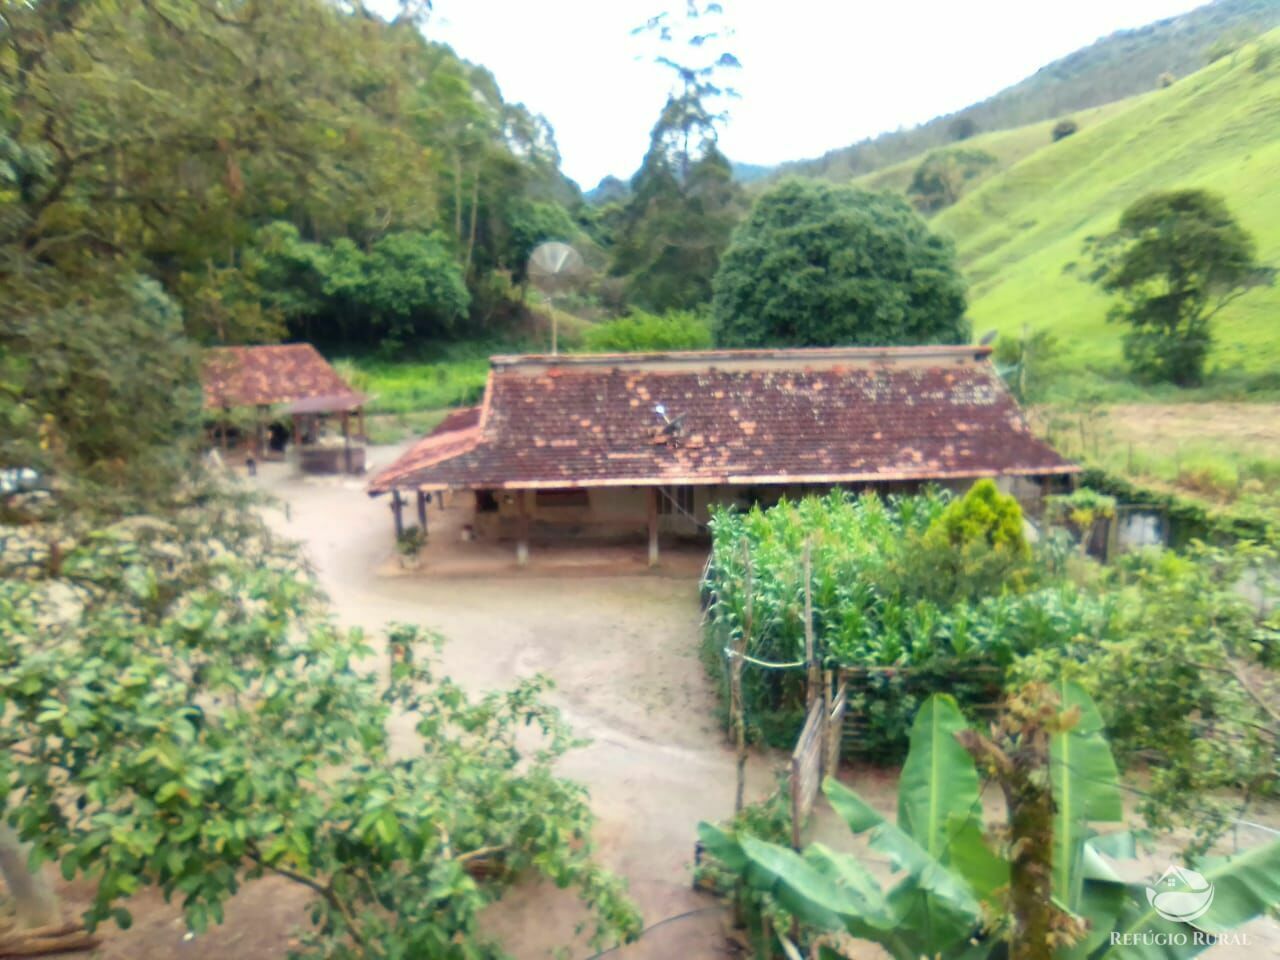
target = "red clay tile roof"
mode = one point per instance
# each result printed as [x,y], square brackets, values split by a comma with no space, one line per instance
[842,415]
[280,373]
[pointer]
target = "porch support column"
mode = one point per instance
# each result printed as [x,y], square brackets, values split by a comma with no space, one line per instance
[522,544]
[652,502]
[422,512]
[346,442]
[397,511]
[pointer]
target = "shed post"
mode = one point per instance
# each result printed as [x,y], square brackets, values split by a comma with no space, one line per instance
[652,503]
[397,511]
[422,512]
[346,442]
[522,544]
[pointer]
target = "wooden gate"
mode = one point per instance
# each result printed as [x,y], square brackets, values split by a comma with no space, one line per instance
[806,768]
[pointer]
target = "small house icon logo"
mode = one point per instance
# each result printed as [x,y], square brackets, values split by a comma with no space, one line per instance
[1180,895]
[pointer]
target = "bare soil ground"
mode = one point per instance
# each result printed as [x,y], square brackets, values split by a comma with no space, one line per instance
[622,650]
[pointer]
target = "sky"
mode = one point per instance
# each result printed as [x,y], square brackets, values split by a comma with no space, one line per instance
[816,74]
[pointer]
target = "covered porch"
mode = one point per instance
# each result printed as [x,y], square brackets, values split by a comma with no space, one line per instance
[468,532]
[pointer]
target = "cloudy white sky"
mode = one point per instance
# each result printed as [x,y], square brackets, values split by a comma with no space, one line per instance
[817,74]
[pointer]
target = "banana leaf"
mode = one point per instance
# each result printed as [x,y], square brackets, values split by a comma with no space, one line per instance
[939,780]
[1085,789]
[817,898]
[1244,887]
[935,904]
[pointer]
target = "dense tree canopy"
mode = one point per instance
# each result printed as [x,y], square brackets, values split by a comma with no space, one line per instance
[382,149]
[1174,261]
[816,265]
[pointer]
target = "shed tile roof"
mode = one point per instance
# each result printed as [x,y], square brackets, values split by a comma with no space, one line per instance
[278,373]
[745,417]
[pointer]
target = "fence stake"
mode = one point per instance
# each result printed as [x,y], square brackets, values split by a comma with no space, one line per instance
[811,667]
[735,683]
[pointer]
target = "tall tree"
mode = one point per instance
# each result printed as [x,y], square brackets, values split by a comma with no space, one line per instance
[684,201]
[816,265]
[1175,260]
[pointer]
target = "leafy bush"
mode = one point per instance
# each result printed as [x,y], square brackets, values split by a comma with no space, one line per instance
[639,331]
[1182,672]
[1063,129]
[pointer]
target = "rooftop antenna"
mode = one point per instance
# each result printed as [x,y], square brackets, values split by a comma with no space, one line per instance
[554,267]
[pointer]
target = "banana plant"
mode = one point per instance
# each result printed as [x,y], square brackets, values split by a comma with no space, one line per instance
[953,881]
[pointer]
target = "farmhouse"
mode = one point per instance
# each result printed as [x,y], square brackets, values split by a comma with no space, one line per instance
[609,445]
[263,397]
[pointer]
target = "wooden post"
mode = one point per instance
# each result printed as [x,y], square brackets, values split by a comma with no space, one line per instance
[422,512]
[397,510]
[360,425]
[522,544]
[813,678]
[735,683]
[652,500]
[346,442]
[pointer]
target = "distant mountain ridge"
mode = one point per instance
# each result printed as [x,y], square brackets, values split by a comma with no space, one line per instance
[1120,65]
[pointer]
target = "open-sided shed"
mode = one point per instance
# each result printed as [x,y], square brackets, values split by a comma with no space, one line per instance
[283,383]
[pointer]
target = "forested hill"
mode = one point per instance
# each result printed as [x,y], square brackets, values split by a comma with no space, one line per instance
[1125,63]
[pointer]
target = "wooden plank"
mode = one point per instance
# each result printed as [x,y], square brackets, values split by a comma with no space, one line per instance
[806,769]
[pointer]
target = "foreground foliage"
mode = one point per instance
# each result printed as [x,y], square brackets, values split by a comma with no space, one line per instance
[960,893]
[179,713]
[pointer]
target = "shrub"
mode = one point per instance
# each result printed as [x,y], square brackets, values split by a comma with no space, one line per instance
[639,331]
[1063,129]
[1166,80]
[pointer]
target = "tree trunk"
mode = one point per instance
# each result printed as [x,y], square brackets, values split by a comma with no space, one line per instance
[35,904]
[457,195]
[475,211]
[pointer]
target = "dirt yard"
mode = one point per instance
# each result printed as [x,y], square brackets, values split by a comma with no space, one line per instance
[622,650]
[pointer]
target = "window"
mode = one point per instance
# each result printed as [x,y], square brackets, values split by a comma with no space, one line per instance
[575,497]
[678,500]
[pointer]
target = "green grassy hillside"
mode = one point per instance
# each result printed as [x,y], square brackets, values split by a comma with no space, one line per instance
[1007,146]
[1121,65]
[1019,233]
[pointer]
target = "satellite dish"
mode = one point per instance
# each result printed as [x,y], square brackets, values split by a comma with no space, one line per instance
[554,267]
[988,338]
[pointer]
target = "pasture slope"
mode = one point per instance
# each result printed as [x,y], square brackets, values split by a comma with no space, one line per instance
[1019,233]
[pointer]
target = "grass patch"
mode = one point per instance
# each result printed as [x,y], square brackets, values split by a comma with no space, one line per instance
[1224,455]
[390,428]
[1019,234]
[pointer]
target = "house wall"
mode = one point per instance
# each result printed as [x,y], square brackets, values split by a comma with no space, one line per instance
[612,513]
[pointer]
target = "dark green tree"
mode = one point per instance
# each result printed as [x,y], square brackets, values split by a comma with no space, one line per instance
[1176,259]
[817,265]
[943,175]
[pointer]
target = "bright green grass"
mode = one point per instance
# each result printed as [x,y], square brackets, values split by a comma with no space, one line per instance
[1019,234]
[1007,146]
[435,377]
